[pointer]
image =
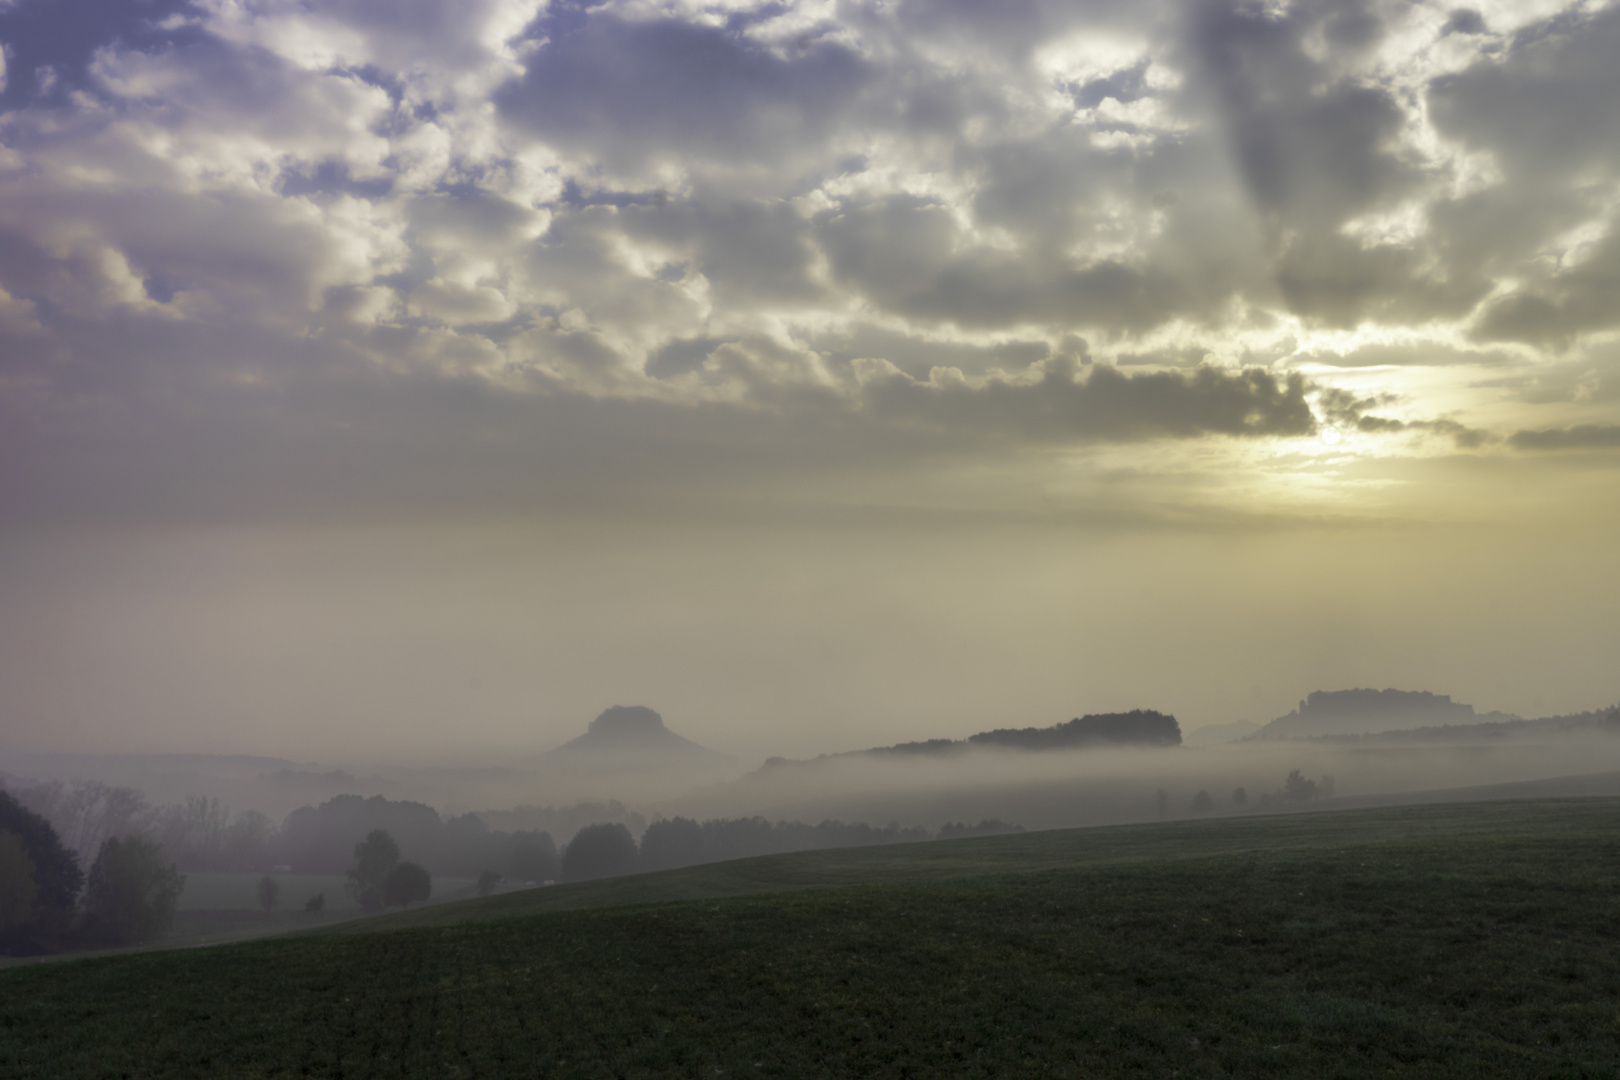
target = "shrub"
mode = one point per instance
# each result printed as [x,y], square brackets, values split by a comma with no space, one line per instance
[672,842]
[315,904]
[1298,789]
[374,857]
[534,858]
[130,895]
[407,884]
[599,851]
[487,881]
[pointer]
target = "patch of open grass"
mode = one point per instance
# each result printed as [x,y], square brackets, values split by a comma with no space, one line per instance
[1442,941]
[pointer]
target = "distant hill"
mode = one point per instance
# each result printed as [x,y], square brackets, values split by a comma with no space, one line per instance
[1605,720]
[1139,727]
[631,738]
[1364,712]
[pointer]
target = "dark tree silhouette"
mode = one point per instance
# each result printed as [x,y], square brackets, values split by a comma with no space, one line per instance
[1202,803]
[1239,796]
[407,884]
[1138,727]
[315,904]
[488,881]
[374,857]
[1298,789]
[55,876]
[672,842]
[533,858]
[130,894]
[269,892]
[18,890]
[599,851]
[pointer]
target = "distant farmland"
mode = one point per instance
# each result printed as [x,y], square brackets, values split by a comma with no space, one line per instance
[1458,940]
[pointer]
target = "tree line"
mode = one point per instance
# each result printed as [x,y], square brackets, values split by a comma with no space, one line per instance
[128,895]
[608,850]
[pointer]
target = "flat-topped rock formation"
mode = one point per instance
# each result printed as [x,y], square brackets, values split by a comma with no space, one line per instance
[1365,712]
[631,738]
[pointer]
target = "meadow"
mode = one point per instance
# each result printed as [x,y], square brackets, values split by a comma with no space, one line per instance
[1478,940]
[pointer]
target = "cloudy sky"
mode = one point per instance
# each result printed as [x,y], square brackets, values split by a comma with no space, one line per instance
[420,377]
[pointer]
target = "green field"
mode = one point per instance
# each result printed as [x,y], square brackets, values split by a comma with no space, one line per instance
[1467,941]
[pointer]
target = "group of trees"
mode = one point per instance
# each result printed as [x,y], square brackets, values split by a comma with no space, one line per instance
[128,896]
[609,850]
[380,879]
[197,833]
[200,834]
[1297,788]
[132,885]
[1139,727]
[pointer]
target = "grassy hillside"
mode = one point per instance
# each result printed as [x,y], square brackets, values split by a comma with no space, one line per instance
[1438,941]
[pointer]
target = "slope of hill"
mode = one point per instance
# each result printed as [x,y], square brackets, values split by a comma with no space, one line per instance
[1324,723]
[1443,941]
[1488,730]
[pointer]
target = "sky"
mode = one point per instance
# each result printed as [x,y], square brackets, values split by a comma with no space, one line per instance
[412,380]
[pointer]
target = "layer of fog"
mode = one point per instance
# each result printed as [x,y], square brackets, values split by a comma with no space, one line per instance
[1103,786]
[276,787]
[1039,790]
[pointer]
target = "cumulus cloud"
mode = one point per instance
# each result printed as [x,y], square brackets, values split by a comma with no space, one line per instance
[918,222]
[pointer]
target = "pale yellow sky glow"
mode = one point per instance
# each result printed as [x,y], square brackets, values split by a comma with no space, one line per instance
[417,383]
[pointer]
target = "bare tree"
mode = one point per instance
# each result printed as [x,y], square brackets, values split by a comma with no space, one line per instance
[85,813]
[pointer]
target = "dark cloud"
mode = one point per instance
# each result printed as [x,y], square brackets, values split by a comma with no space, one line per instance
[680,357]
[1555,312]
[628,90]
[908,255]
[1313,146]
[751,251]
[1105,405]
[1579,437]
[1464,21]
[1344,409]
[1545,114]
